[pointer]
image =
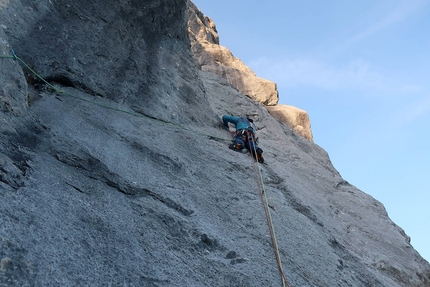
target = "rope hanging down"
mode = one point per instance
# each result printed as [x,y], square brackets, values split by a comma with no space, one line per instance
[269,220]
[62,92]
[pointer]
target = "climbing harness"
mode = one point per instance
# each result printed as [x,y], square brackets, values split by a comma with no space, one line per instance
[256,153]
[62,92]
[269,220]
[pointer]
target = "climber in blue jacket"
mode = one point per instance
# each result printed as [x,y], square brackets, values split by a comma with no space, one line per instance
[244,136]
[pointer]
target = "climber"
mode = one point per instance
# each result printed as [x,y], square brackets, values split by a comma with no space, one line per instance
[244,136]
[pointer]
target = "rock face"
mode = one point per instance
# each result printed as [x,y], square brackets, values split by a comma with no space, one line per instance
[125,179]
[294,117]
[217,59]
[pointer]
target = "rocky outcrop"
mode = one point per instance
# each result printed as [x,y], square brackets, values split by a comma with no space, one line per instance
[294,117]
[217,59]
[126,179]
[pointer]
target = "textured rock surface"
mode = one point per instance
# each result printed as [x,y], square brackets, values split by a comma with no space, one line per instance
[294,117]
[13,117]
[92,196]
[217,59]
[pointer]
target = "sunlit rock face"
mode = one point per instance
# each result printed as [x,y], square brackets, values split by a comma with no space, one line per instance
[217,59]
[294,117]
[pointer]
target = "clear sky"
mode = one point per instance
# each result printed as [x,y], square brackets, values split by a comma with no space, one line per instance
[361,69]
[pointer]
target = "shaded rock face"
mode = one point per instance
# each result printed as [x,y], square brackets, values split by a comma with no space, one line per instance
[117,50]
[13,91]
[127,180]
[294,117]
[13,115]
[217,59]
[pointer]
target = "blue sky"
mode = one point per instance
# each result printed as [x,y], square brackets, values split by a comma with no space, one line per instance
[361,69]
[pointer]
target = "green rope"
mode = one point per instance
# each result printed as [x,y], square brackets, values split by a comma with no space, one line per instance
[6,57]
[62,92]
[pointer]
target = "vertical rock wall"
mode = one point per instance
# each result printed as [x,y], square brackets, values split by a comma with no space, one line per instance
[130,182]
[117,50]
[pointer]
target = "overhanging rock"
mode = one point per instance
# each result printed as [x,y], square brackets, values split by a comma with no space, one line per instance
[294,117]
[217,59]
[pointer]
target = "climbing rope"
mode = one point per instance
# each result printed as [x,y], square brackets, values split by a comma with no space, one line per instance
[62,92]
[15,57]
[265,201]
[257,167]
